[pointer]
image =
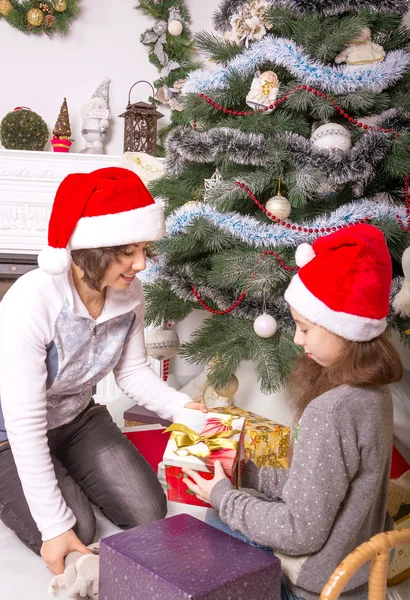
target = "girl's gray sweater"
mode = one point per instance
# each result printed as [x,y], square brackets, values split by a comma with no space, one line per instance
[333,497]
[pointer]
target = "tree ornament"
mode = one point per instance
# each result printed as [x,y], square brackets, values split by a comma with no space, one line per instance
[263,92]
[45,8]
[35,17]
[175,28]
[23,129]
[62,130]
[361,51]
[212,182]
[59,5]
[161,343]
[401,303]
[5,7]
[278,206]
[331,136]
[250,23]
[265,326]
[229,389]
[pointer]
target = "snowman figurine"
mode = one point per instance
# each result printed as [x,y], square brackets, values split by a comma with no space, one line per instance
[361,51]
[95,120]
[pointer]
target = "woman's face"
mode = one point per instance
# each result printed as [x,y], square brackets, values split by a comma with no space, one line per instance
[121,274]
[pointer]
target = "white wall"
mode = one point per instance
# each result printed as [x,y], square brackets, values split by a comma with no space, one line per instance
[38,71]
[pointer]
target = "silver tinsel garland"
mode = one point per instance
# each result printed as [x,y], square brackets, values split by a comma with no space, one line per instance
[186,146]
[329,8]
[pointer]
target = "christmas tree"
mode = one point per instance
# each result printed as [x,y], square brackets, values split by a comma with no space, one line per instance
[62,130]
[302,128]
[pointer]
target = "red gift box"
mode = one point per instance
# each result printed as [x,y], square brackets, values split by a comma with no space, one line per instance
[151,442]
[219,437]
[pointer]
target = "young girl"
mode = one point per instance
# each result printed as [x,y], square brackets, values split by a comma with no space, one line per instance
[334,495]
[63,328]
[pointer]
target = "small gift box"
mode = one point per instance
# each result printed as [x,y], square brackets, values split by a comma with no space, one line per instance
[398,505]
[196,442]
[182,557]
[266,442]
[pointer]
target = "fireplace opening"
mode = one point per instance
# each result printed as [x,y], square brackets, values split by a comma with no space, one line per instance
[12,266]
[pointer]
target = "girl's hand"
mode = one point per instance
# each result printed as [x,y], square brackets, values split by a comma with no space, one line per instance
[196,406]
[203,487]
[55,550]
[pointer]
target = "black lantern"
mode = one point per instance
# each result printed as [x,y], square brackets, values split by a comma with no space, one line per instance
[140,125]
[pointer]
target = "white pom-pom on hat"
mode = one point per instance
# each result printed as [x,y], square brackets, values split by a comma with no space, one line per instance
[304,254]
[54,261]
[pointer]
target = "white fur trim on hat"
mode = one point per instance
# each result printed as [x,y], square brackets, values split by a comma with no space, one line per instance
[54,261]
[144,224]
[350,327]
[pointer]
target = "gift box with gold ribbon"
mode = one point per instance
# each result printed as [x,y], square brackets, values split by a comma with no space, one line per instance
[196,442]
[266,442]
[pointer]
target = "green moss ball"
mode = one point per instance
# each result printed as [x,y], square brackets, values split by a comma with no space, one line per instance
[23,130]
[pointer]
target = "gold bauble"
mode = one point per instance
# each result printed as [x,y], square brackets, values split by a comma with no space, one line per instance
[35,17]
[278,206]
[229,389]
[59,5]
[5,7]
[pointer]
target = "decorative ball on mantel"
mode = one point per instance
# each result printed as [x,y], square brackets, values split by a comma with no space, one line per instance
[175,27]
[265,326]
[5,7]
[162,343]
[278,206]
[23,129]
[35,17]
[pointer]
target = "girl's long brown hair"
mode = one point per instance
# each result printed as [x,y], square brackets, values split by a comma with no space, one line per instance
[362,364]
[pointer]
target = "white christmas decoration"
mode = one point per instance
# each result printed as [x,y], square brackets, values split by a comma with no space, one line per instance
[250,23]
[161,343]
[95,120]
[279,206]
[401,303]
[263,91]
[175,28]
[361,51]
[212,182]
[265,326]
[331,136]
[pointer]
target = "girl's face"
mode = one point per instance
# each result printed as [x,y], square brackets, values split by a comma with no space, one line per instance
[120,274]
[319,344]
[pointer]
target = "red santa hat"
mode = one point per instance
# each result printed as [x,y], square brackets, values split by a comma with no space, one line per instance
[343,283]
[108,207]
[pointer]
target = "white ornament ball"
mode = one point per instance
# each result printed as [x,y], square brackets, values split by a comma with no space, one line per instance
[279,206]
[161,343]
[265,326]
[331,136]
[175,27]
[229,389]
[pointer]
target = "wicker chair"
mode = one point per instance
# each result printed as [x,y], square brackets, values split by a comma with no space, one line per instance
[377,550]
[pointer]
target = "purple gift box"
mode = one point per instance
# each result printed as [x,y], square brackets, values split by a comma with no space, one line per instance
[143,415]
[182,557]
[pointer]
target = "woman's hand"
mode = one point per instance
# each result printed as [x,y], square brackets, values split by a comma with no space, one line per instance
[203,487]
[55,550]
[196,406]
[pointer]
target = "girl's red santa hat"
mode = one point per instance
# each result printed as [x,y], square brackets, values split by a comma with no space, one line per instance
[343,283]
[108,207]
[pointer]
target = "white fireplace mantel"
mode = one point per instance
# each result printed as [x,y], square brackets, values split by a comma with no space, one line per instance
[28,182]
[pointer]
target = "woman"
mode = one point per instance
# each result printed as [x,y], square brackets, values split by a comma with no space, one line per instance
[64,327]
